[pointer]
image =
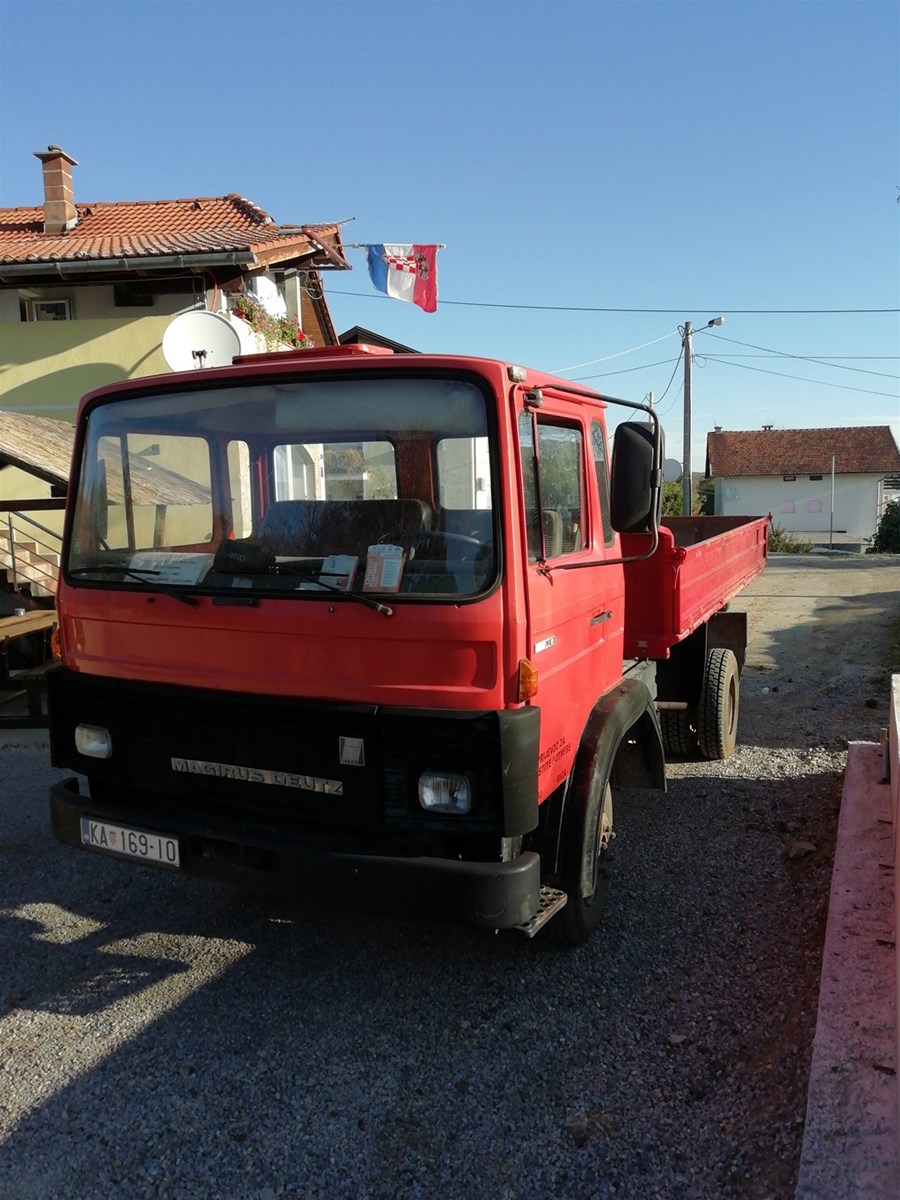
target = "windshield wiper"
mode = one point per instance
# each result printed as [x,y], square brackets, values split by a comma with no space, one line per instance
[137,572]
[313,576]
[141,574]
[223,566]
[359,597]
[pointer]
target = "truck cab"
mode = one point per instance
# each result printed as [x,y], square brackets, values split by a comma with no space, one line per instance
[355,621]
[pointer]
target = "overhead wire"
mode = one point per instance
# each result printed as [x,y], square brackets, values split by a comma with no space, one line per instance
[658,311]
[803,379]
[827,359]
[717,337]
[672,376]
[663,362]
[665,412]
[606,358]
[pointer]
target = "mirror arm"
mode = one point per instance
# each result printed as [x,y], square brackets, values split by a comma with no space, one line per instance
[656,477]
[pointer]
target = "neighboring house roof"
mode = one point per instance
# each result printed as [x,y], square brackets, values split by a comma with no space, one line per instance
[38,445]
[366,337]
[858,450]
[114,234]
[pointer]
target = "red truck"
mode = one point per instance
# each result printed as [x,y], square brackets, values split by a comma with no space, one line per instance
[390,627]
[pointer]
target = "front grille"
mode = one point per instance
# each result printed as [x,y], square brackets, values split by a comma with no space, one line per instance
[151,724]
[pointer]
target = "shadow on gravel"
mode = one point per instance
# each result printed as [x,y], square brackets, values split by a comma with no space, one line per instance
[45,975]
[346,1056]
[837,675]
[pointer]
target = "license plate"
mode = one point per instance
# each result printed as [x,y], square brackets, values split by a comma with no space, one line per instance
[130,843]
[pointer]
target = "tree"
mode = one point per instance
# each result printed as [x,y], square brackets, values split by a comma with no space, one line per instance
[671,500]
[887,535]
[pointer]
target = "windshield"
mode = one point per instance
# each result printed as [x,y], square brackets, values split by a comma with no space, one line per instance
[368,486]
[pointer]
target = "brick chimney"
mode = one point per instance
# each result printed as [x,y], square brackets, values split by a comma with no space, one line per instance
[59,201]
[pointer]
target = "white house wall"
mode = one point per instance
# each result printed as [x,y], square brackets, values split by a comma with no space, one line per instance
[804,505]
[99,302]
[269,295]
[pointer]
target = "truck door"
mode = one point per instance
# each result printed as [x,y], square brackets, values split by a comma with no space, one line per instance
[575,604]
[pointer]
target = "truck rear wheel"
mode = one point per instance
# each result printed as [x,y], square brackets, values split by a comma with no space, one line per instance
[678,734]
[717,715]
[588,835]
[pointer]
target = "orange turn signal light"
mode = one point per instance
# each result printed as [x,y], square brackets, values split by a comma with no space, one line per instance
[56,643]
[528,679]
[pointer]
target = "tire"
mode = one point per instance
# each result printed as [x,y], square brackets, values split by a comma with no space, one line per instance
[717,717]
[588,831]
[678,734]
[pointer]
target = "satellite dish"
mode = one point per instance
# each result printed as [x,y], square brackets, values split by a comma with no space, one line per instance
[200,339]
[672,470]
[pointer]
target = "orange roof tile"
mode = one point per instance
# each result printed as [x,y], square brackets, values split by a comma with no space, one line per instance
[862,449]
[151,228]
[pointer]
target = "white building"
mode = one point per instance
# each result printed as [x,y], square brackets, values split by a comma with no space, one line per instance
[826,485]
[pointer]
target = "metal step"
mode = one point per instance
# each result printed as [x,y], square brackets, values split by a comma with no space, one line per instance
[552,900]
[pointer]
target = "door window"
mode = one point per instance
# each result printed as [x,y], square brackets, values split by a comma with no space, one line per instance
[553,481]
[598,447]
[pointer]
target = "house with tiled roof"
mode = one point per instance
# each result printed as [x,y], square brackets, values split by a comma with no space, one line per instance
[828,485]
[87,290]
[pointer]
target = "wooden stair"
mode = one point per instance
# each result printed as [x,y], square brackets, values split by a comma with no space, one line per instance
[36,568]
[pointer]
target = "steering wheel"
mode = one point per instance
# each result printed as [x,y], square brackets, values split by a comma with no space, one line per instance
[468,547]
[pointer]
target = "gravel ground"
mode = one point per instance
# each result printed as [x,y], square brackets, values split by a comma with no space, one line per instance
[162,1038]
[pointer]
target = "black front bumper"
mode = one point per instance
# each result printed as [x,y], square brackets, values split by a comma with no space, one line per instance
[492,895]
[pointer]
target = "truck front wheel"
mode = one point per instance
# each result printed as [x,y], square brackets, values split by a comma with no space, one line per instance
[585,866]
[717,715]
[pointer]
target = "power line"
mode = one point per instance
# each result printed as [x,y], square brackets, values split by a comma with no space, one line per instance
[802,357]
[672,376]
[663,362]
[665,412]
[802,379]
[619,354]
[775,312]
[829,358]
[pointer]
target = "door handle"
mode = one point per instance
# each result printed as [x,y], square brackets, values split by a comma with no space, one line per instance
[606,615]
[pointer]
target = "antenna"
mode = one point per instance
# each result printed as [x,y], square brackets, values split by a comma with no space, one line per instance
[199,339]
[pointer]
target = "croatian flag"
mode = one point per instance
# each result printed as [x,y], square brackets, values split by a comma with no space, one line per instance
[405,272]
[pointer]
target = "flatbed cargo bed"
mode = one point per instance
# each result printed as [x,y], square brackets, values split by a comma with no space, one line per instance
[700,564]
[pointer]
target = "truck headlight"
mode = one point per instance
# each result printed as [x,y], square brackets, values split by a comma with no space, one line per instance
[93,741]
[443,792]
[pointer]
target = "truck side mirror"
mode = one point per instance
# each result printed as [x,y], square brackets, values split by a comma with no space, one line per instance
[636,493]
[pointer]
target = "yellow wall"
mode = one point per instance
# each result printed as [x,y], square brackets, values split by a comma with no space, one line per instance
[18,485]
[47,366]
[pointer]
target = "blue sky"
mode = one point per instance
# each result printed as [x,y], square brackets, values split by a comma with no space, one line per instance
[700,158]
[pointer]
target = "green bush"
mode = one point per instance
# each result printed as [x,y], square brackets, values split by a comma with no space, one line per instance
[782,542]
[672,500]
[887,535]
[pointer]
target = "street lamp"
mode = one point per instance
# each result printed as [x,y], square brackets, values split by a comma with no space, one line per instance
[686,476]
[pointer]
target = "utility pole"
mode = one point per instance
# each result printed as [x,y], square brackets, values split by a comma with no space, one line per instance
[687,480]
[831,523]
[686,476]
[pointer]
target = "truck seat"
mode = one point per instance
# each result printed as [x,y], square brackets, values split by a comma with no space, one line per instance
[316,528]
